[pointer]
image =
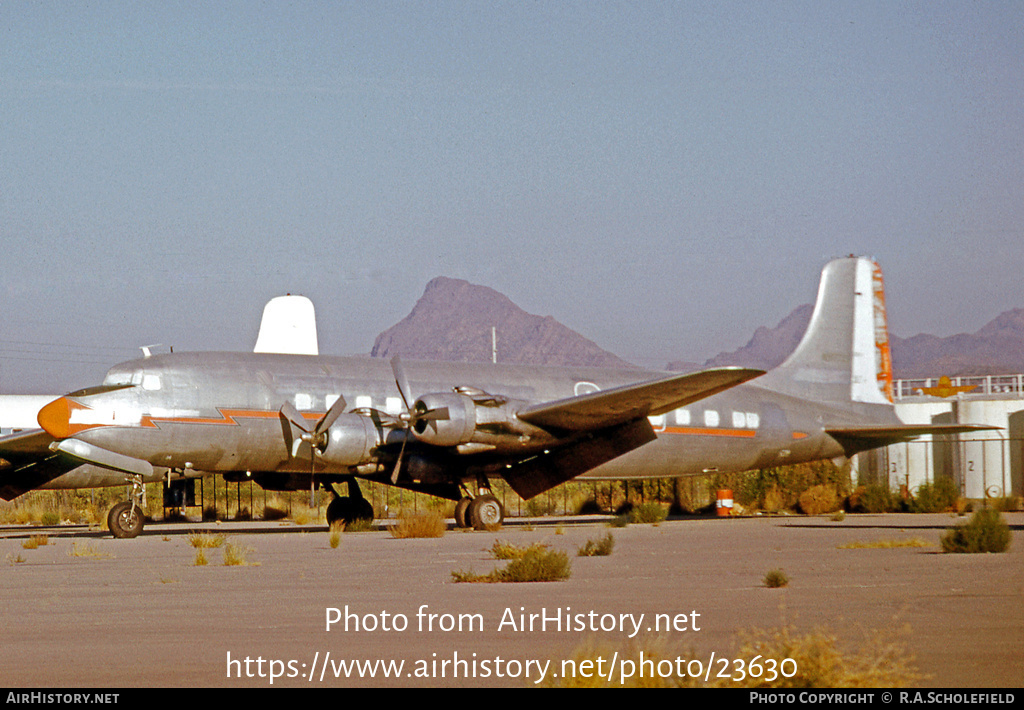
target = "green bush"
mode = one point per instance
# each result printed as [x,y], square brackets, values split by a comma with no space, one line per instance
[776,578]
[875,498]
[649,512]
[986,532]
[935,497]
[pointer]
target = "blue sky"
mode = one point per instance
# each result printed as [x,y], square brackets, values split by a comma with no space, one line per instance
[661,177]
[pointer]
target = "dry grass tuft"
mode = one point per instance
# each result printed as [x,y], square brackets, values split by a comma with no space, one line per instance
[35,542]
[429,524]
[597,548]
[236,555]
[507,551]
[881,662]
[769,658]
[200,540]
[536,564]
[86,549]
[885,544]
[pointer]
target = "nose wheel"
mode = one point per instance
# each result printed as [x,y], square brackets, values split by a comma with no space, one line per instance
[125,520]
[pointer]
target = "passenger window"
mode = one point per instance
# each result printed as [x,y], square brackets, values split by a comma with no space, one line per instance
[710,417]
[739,420]
[683,416]
[753,420]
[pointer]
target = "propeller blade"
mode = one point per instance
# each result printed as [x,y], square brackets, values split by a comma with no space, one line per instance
[289,412]
[398,461]
[402,381]
[332,416]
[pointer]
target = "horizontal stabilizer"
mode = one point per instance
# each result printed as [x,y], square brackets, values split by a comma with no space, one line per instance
[27,463]
[862,438]
[598,410]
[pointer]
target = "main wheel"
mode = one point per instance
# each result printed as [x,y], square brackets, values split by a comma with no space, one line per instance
[461,519]
[485,512]
[125,520]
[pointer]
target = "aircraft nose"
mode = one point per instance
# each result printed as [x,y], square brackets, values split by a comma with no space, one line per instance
[55,418]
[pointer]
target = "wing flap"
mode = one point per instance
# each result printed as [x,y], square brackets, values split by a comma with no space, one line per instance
[606,408]
[540,473]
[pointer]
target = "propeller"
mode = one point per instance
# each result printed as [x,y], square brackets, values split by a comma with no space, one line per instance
[413,415]
[316,436]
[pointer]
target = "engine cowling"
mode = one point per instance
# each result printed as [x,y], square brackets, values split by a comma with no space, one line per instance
[454,429]
[351,441]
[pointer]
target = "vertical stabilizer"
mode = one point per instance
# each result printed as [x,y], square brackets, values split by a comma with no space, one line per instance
[288,327]
[844,354]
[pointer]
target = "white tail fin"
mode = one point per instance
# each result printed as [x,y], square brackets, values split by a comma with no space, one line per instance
[844,355]
[288,327]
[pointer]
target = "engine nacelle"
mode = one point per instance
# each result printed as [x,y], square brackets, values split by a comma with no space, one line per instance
[457,428]
[477,419]
[351,441]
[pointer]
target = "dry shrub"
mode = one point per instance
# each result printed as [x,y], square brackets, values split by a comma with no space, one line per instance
[429,524]
[536,564]
[236,555]
[880,662]
[775,578]
[986,532]
[35,541]
[597,548]
[200,540]
[818,500]
[649,512]
[817,661]
[507,551]
[884,544]
[774,500]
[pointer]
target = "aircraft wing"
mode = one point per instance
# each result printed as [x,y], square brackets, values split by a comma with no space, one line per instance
[607,408]
[26,462]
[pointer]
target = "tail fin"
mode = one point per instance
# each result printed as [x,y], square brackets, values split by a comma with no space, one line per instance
[844,355]
[288,326]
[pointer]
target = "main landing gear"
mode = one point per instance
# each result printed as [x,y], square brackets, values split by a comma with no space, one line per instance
[479,512]
[125,520]
[349,509]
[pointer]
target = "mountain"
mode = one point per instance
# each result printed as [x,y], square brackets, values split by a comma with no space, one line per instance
[995,349]
[453,320]
[769,346]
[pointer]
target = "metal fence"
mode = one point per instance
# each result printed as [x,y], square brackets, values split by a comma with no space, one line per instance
[1012,385]
[981,467]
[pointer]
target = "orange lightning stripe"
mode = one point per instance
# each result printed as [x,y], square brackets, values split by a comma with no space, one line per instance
[229,417]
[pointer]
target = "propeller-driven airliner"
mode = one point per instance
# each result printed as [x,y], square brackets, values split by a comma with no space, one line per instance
[298,420]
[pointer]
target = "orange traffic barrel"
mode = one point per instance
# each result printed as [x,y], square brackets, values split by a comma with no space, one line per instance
[724,503]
